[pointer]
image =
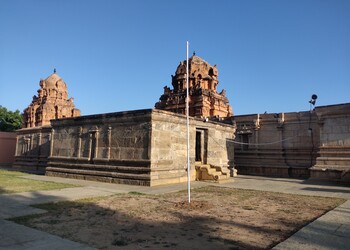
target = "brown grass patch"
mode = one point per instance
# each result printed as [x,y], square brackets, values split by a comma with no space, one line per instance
[221,218]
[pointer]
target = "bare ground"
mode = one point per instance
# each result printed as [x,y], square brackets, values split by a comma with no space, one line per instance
[217,217]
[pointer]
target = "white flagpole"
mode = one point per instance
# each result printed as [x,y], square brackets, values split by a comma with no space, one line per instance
[188,129]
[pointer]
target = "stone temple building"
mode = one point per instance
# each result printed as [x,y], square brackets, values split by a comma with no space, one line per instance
[204,99]
[148,147]
[51,103]
[142,147]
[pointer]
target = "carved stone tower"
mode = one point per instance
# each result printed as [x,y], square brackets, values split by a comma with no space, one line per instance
[204,100]
[51,103]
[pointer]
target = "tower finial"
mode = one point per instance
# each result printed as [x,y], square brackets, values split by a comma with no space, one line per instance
[194,53]
[54,70]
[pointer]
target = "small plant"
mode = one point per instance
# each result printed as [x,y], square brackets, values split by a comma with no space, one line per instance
[122,241]
[136,193]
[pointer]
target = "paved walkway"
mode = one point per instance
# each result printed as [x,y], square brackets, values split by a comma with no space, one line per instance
[331,231]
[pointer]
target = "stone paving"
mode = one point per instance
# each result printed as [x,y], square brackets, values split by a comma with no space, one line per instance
[331,231]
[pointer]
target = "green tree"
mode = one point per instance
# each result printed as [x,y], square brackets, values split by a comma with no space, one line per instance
[9,121]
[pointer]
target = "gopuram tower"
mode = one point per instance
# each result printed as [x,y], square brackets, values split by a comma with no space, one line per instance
[51,103]
[204,99]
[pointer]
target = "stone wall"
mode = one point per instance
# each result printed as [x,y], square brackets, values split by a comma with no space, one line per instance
[283,144]
[169,146]
[313,144]
[143,147]
[7,148]
[108,147]
[333,162]
[33,149]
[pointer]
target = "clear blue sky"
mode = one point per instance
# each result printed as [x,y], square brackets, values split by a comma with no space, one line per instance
[117,55]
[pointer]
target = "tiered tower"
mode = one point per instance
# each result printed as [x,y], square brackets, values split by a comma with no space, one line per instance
[51,103]
[204,100]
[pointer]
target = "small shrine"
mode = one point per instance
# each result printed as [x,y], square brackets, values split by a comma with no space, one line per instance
[51,103]
[204,99]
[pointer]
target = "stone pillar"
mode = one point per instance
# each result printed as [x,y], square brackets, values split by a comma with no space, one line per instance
[109,140]
[31,137]
[96,143]
[93,143]
[256,132]
[16,153]
[39,143]
[52,141]
[90,145]
[80,130]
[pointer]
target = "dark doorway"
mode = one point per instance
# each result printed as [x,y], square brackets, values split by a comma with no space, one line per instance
[201,145]
[198,146]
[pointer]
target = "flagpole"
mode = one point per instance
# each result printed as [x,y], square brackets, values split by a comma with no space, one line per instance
[188,129]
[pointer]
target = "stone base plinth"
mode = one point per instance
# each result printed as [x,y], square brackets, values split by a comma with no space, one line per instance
[328,174]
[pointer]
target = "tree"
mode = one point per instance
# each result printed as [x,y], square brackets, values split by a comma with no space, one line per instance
[10,121]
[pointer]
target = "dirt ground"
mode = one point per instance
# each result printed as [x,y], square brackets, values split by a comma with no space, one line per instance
[216,218]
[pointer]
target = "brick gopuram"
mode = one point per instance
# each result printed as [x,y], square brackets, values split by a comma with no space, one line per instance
[204,100]
[51,103]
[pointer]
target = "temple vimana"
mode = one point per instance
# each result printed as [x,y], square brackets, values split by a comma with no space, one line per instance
[204,100]
[149,146]
[51,103]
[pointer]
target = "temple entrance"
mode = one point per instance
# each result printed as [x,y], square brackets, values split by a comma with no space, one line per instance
[201,146]
[198,146]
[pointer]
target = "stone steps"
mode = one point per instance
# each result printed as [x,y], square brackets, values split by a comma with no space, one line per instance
[211,173]
[98,167]
[131,175]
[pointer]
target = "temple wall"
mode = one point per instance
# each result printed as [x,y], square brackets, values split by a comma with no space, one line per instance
[109,147]
[283,145]
[220,146]
[143,147]
[312,144]
[32,149]
[169,146]
[333,162]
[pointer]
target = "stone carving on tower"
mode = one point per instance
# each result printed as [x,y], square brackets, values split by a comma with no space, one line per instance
[204,100]
[51,103]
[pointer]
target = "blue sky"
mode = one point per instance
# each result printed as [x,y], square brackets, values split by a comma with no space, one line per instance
[117,55]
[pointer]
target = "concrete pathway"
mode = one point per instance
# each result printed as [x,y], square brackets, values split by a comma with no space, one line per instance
[331,231]
[15,236]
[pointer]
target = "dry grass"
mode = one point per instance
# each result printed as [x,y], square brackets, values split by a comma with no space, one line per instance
[221,218]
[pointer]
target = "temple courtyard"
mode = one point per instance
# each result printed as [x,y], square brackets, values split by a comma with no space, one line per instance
[248,212]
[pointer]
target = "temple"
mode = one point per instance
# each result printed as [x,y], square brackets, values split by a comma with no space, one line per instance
[140,147]
[204,99]
[51,103]
[149,147]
